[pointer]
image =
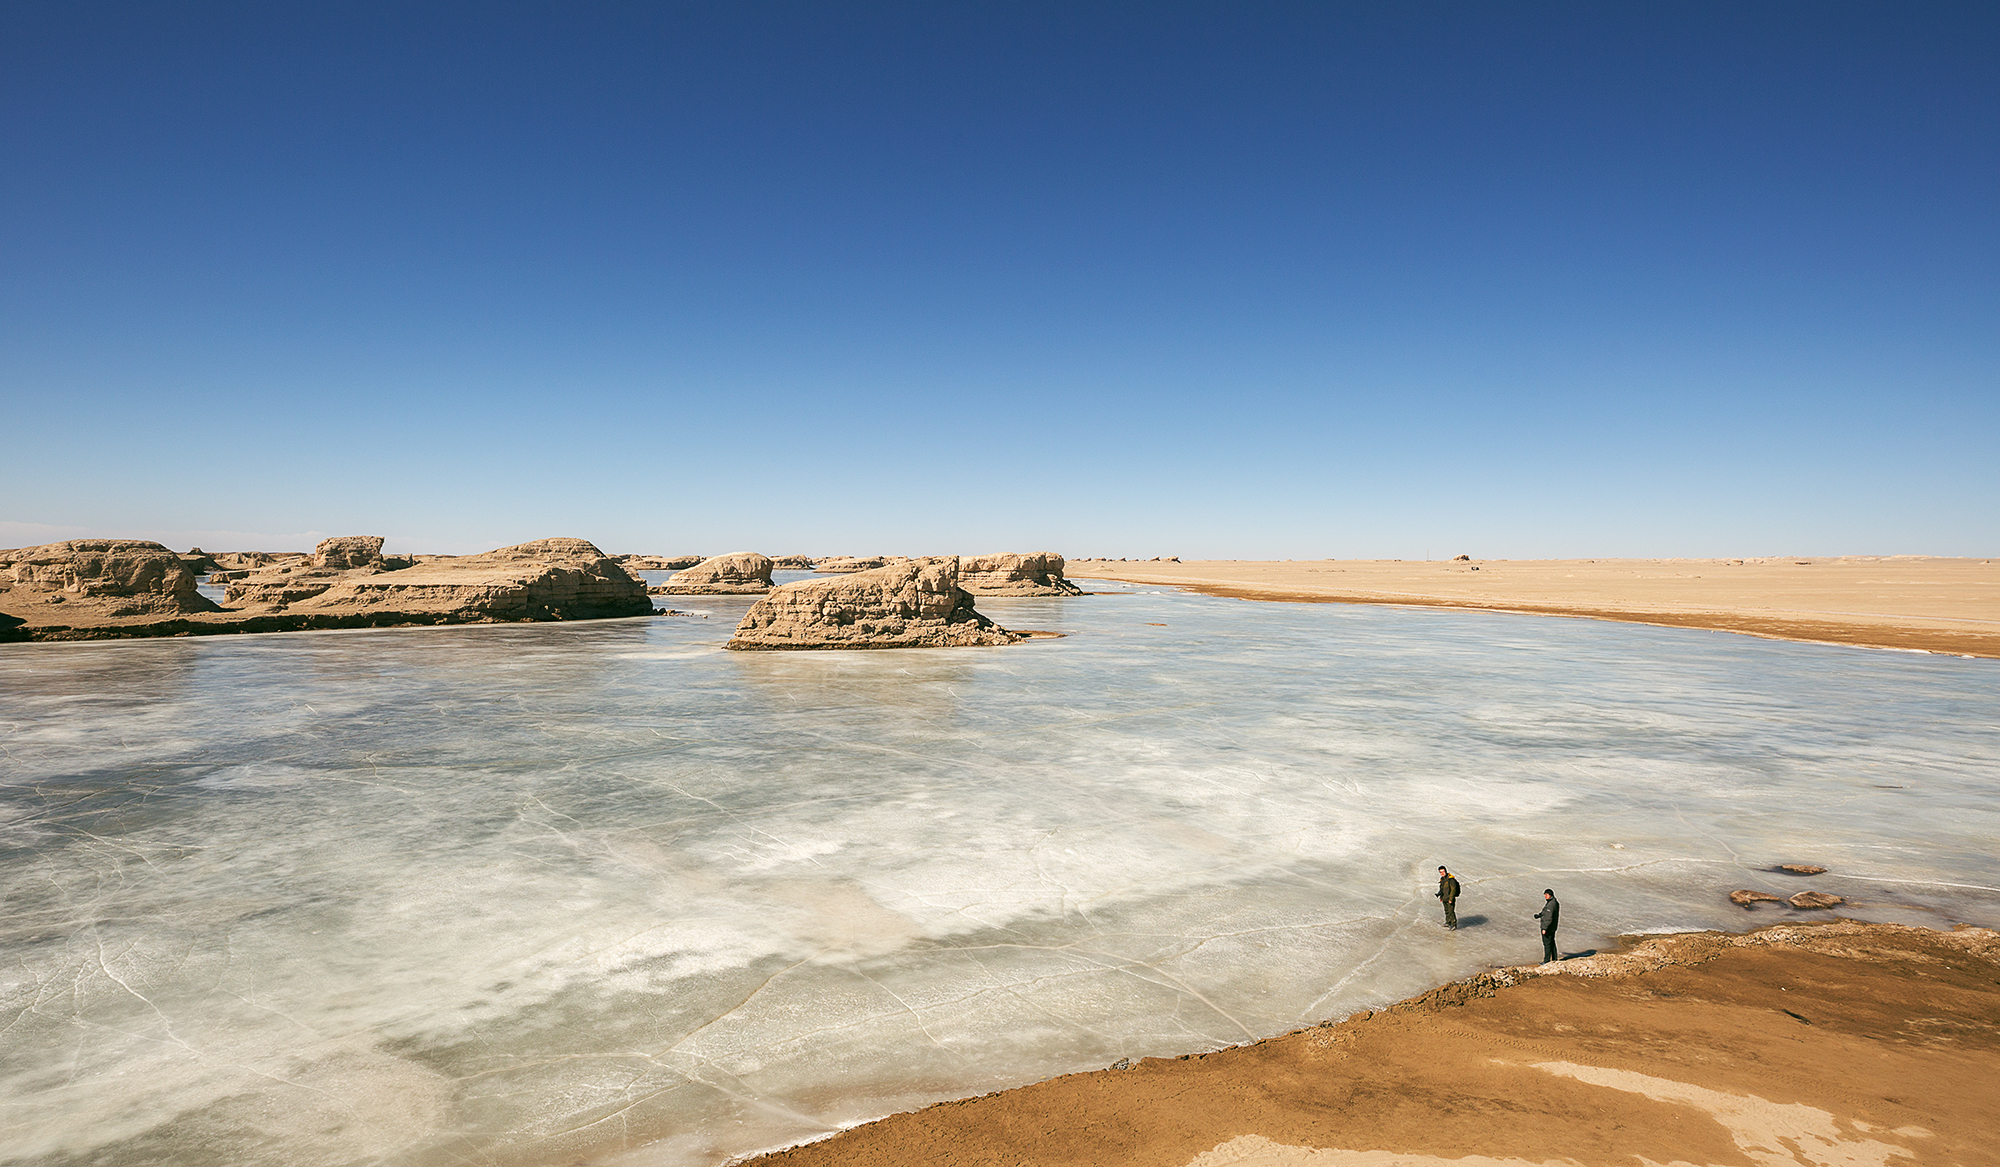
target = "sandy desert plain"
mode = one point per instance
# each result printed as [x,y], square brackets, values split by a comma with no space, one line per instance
[1894,601]
[1817,1040]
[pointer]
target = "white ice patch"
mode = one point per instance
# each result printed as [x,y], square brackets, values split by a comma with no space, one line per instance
[256,776]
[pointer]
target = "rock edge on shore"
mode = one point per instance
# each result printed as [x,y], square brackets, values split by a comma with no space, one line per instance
[909,603]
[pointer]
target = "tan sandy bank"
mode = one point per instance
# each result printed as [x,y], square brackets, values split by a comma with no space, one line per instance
[1857,1045]
[1912,602]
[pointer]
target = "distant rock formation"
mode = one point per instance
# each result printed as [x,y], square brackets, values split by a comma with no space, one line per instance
[344,552]
[1036,574]
[740,573]
[839,564]
[273,587]
[912,603]
[792,563]
[251,560]
[548,579]
[287,583]
[633,563]
[96,579]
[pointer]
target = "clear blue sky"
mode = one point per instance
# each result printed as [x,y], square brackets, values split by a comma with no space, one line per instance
[1226,279]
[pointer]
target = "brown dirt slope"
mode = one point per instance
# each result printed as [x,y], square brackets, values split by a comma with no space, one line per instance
[1864,1045]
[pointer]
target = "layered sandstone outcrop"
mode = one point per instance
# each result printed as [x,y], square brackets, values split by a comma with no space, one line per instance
[840,564]
[279,584]
[636,563]
[334,560]
[911,603]
[345,552]
[740,573]
[1034,574]
[792,563]
[252,560]
[97,579]
[549,579]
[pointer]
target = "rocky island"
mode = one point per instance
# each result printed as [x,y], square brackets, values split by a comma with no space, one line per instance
[740,573]
[94,583]
[638,563]
[1038,573]
[843,564]
[909,603]
[97,589]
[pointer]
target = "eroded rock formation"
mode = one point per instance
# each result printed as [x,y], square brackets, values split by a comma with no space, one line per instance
[281,584]
[292,580]
[840,564]
[1034,574]
[740,573]
[635,563]
[912,603]
[345,551]
[252,560]
[98,579]
[792,563]
[548,579]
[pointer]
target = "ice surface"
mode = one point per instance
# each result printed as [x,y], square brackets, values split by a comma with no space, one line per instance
[534,894]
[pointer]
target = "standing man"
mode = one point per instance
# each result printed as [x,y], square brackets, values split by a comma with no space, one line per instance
[1550,913]
[1448,893]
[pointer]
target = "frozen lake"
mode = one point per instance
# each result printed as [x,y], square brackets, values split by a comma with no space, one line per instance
[549,893]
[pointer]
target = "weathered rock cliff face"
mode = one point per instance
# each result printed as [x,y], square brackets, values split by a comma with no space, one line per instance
[1036,574]
[97,579]
[251,560]
[636,563]
[792,563]
[912,603]
[344,552]
[741,573]
[549,579]
[280,584]
[838,564]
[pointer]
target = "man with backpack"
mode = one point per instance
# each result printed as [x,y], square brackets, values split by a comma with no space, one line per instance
[1447,893]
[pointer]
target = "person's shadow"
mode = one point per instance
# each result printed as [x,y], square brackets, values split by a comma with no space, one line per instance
[1471,921]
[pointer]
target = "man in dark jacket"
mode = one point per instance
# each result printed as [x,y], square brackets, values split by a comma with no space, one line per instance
[1550,913]
[1448,894]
